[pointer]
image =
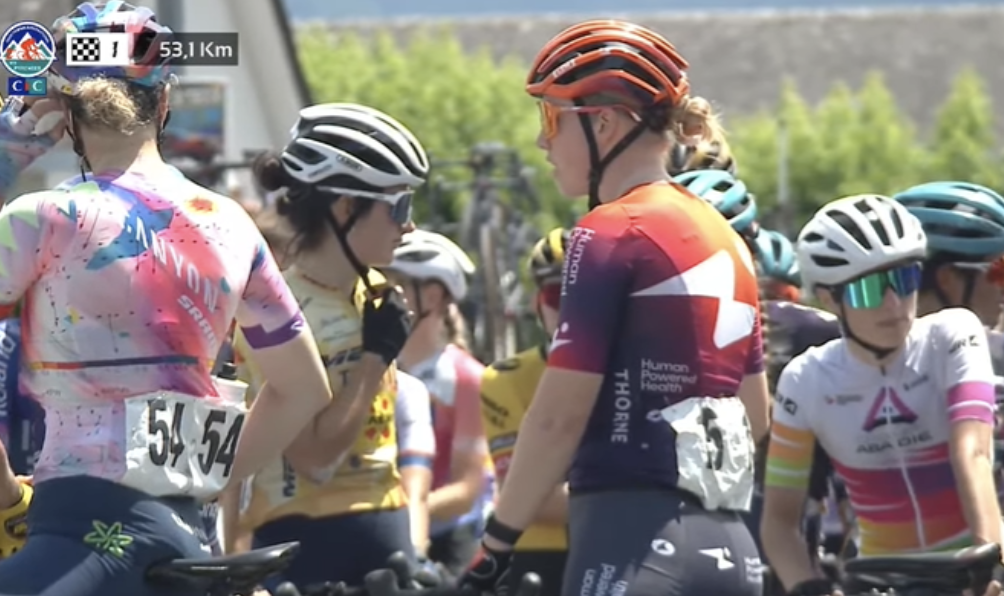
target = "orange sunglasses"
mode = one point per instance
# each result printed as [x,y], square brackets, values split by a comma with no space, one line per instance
[550,113]
[992,270]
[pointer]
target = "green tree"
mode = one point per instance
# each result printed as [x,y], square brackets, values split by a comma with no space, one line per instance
[851,142]
[451,99]
[963,144]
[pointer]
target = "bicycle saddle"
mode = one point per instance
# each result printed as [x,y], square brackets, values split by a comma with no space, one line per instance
[951,571]
[236,573]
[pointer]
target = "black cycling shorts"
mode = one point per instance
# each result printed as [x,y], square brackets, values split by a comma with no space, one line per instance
[548,564]
[340,548]
[94,537]
[657,543]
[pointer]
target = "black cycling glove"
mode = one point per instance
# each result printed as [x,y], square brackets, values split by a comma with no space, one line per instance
[386,324]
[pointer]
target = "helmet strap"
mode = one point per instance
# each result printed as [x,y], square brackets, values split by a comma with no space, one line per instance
[596,164]
[78,146]
[342,234]
[879,352]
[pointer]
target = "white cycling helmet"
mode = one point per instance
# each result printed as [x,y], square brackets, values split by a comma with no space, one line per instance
[852,236]
[364,148]
[429,256]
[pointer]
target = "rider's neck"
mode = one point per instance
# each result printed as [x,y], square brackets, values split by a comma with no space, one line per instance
[866,356]
[425,340]
[328,266]
[120,153]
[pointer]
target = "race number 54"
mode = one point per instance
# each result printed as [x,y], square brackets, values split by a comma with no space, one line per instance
[169,427]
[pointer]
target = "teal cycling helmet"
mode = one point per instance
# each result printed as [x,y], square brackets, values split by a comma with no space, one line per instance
[776,256]
[725,193]
[958,217]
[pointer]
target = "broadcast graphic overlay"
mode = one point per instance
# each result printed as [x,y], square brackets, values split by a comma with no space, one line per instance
[182,49]
[27,50]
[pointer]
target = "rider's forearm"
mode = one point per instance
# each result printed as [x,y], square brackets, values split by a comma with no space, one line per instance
[270,427]
[554,512]
[456,498]
[784,546]
[978,496]
[10,488]
[337,426]
[416,481]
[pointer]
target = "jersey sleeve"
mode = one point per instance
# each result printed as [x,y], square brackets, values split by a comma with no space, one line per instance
[594,290]
[789,457]
[968,370]
[416,442]
[754,360]
[501,413]
[469,433]
[269,315]
[28,230]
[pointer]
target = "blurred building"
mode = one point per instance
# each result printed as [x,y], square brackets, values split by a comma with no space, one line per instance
[370,9]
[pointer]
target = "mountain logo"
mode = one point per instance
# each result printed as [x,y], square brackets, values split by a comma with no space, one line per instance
[27,49]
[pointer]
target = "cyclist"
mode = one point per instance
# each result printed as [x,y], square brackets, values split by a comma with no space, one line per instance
[639,406]
[349,172]
[965,235]
[506,390]
[130,276]
[433,272]
[903,406]
[416,446]
[729,196]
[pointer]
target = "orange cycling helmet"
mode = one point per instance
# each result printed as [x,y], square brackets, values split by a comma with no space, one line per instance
[607,56]
[611,57]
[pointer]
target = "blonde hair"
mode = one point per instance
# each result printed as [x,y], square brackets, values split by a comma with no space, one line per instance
[695,123]
[115,105]
[456,327]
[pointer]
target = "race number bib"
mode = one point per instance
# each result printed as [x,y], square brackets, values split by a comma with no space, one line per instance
[177,444]
[714,451]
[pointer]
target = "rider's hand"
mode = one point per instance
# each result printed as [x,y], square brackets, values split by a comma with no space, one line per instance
[386,324]
[14,523]
[19,145]
[489,572]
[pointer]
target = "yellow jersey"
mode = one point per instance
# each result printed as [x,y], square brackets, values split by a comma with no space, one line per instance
[507,388]
[367,479]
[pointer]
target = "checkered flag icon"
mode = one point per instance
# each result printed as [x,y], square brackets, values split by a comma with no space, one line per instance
[83,50]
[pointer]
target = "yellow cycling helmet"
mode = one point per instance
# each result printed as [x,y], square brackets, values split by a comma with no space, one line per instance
[548,257]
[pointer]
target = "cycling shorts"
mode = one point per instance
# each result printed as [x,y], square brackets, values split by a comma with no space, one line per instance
[548,564]
[91,537]
[340,548]
[657,542]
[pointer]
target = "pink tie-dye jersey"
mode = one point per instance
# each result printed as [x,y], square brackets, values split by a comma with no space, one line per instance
[129,286]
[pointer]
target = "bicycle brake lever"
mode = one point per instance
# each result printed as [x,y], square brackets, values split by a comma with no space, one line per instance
[382,582]
[529,585]
[401,566]
[287,589]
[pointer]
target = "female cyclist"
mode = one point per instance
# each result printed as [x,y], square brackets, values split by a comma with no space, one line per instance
[506,390]
[433,272]
[658,334]
[130,276]
[729,196]
[903,406]
[348,173]
[965,245]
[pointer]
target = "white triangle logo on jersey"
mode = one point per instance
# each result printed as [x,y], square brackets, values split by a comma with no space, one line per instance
[715,277]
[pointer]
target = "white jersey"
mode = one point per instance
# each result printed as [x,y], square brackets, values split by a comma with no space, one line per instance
[416,442]
[887,429]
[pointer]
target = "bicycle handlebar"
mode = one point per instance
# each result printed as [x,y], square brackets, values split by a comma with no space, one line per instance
[384,582]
